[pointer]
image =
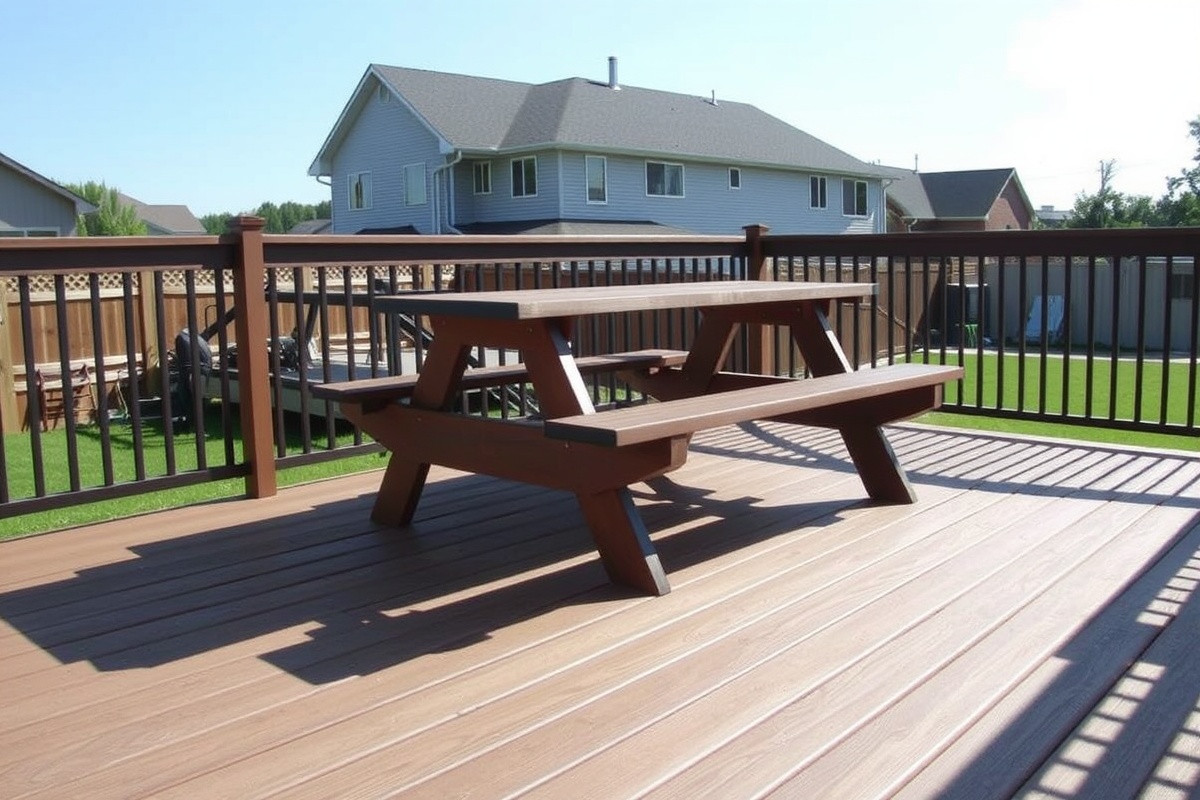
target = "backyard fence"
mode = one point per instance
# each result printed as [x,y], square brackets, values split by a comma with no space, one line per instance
[1083,327]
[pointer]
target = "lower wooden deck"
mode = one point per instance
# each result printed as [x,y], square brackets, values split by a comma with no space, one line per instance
[1028,628]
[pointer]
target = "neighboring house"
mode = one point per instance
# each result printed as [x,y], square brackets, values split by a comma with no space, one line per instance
[969,200]
[32,205]
[313,226]
[164,220]
[445,153]
[1052,217]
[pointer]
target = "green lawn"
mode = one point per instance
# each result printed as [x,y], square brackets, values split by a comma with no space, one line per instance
[19,470]
[1076,390]
[19,464]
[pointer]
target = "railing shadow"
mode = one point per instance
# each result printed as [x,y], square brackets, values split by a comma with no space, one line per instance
[992,470]
[1126,702]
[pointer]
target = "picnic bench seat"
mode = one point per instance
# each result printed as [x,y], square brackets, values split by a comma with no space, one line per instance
[779,398]
[376,392]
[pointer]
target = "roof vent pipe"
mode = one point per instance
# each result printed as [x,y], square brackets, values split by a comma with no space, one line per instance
[612,73]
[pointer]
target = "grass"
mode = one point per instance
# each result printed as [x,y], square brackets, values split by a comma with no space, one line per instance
[1103,403]
[19,470]
[19,465]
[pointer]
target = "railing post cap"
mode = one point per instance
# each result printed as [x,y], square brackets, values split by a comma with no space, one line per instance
[247,222]
[755,229]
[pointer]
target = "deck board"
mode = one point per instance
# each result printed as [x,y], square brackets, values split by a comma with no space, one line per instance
[815,644]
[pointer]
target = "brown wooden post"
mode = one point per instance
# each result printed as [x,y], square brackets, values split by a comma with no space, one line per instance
[8,380]
[761,337]
[250,324]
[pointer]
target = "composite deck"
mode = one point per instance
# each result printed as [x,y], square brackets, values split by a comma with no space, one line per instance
[1028,628]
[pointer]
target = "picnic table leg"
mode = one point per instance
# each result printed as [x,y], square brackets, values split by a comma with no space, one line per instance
[624,543]
[404,478]
[877,465]
[399,491]
[872,454]
[617,529]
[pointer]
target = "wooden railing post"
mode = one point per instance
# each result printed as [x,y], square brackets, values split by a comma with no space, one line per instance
[250,324]
[761,337]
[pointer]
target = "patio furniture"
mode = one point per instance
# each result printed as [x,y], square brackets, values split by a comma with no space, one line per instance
[597,455]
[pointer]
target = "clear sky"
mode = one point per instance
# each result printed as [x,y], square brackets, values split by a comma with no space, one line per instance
[221,105]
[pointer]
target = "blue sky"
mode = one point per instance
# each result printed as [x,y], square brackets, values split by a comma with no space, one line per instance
[223,105]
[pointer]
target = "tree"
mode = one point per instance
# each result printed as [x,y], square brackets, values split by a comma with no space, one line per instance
[216,224]
[111,217]
[1109,208]
[1181,204]
[279,218]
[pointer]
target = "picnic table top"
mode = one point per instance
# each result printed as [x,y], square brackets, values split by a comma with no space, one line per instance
[579,301]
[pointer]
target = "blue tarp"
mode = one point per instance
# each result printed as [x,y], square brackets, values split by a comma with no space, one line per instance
[1054,316]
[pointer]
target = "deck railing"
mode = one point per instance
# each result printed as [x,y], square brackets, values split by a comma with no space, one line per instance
[1084,327]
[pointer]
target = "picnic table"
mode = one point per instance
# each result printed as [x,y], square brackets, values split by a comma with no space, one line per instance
[599,454]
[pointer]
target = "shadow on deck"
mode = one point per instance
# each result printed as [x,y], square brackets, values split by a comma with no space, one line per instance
[1028,626]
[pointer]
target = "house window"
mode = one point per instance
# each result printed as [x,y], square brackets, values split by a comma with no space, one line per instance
[524,176]
[663,179]
[816,192]
[482,172]
[360,191]
[597,179]
[384,95]
[414,185]
[735,178]
[854,198]
[1182,286]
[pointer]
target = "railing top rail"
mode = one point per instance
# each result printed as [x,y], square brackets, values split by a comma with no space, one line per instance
[416,249]
[77,253]
[1075,242]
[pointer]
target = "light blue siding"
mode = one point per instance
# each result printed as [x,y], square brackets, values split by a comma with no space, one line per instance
[27,204]
[776,198]
[384,138]
[500,205]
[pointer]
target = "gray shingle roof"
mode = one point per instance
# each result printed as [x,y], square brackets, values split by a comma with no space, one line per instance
[312,226]
[494,116]
[164,219]
[965,194]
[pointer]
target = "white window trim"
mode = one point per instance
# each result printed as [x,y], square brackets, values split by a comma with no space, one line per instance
[408,201]
[367,191]
[513,187]
[735,186]
[384,94]
[867,210]
[487,166]
[682,181]
[587,185]
[823,192]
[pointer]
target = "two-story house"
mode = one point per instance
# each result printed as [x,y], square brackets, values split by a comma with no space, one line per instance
[432,152]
